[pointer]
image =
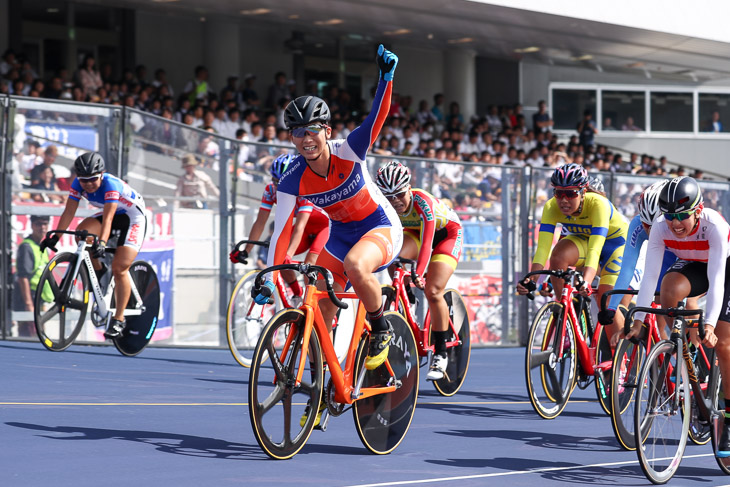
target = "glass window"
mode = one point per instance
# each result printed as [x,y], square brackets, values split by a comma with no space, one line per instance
[623,110]
[714,112]
[569,105]
[671,112]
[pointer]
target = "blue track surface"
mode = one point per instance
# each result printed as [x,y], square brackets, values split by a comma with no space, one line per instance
[90,417]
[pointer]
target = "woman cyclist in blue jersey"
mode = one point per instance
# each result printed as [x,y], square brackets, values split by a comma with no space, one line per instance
[122,210]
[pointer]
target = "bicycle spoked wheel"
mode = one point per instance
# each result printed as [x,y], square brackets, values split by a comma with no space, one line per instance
[457,355]
[59,319]
[603,377]
[700,431]
[627,362]
[550,375]
[245,319]
[661,416]
[278,407]
[140,328]
[383,420]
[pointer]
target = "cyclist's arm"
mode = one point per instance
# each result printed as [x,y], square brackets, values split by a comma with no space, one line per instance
[298,232]
[258,227]
[652,268]
[600,216]
[428,230]
[636,237]
[716,263]
[68,213]
[545,235]
[284,217]
[364,136]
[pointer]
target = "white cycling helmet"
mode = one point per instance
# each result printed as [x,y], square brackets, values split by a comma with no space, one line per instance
[649,202]
[393,177]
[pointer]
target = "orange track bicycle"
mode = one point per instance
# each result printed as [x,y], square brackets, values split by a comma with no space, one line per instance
[562,334]
[287,374]
[398,297]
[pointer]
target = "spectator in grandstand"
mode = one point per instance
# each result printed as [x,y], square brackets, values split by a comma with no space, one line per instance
[438,108]
[541,120]
[198,89]
[160,81]
[494,120]
[629,125]
[194,183]
[587,130]
[46,181]
[230,90]
[714,124]
[49,157]
[89,77]
[249,96]
[8,62]
[608,124]
[277,90]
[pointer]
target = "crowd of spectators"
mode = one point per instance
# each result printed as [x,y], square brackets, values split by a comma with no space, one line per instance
[457,148]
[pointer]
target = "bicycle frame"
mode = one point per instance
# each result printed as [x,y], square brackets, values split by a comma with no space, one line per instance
[422,334]
[345,393]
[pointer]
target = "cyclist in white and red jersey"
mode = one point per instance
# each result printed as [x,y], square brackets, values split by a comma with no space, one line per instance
[700,238]
[122,210]
[310,231]
[433,238]
[365,231]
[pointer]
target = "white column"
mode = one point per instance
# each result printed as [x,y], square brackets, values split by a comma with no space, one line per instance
[221,52]
[460,81]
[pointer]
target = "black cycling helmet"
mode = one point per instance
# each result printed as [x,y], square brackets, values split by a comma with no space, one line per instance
[679,195]
[89,164]
[306,110]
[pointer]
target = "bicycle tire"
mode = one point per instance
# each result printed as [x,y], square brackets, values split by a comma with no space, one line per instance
[275,406]
[389,299]
[382,421]
[58,326]
[140,328]
[627,361]
[602,380]
[245,319]
[662,429]
[550,379]
[458,356]
[717,415]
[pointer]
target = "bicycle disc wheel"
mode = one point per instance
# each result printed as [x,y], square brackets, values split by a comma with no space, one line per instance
[603,377]
[627,363]
[550,376]
[59,322]
[140,328]
[700,431]
[383,420]
[458,355]
[661,416]
[281,420]
[245,319]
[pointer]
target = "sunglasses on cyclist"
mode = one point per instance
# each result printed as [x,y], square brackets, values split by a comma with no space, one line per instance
[570,194]
[312,130]
[678,216]
[90,179]
[394,196]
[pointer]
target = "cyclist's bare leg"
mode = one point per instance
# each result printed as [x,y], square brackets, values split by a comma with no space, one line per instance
[123,258]
[613,327]
[564,255]
[91,225]
[360,263]
[675,287]
[438,276]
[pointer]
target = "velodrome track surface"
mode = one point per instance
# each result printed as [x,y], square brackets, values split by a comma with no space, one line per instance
[178,417]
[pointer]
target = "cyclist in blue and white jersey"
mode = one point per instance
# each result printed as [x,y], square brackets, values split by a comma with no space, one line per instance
[122,210]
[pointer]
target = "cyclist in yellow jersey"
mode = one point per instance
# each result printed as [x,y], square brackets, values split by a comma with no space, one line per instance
[434,238]
[596,233]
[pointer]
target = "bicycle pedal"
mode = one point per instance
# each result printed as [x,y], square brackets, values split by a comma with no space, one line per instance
[323,421]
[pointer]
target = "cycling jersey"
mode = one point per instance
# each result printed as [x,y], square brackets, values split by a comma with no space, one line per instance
[431,220]
[313,238]
[347,193]
[707,243]
[129,224]
[599,222]
[635,239]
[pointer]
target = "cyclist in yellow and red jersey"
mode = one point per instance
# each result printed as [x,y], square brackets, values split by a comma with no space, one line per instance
[310,231]
[434,238]
[365,232]
[596,233]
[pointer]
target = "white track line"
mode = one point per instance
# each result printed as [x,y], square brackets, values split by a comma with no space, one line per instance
[504,474]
